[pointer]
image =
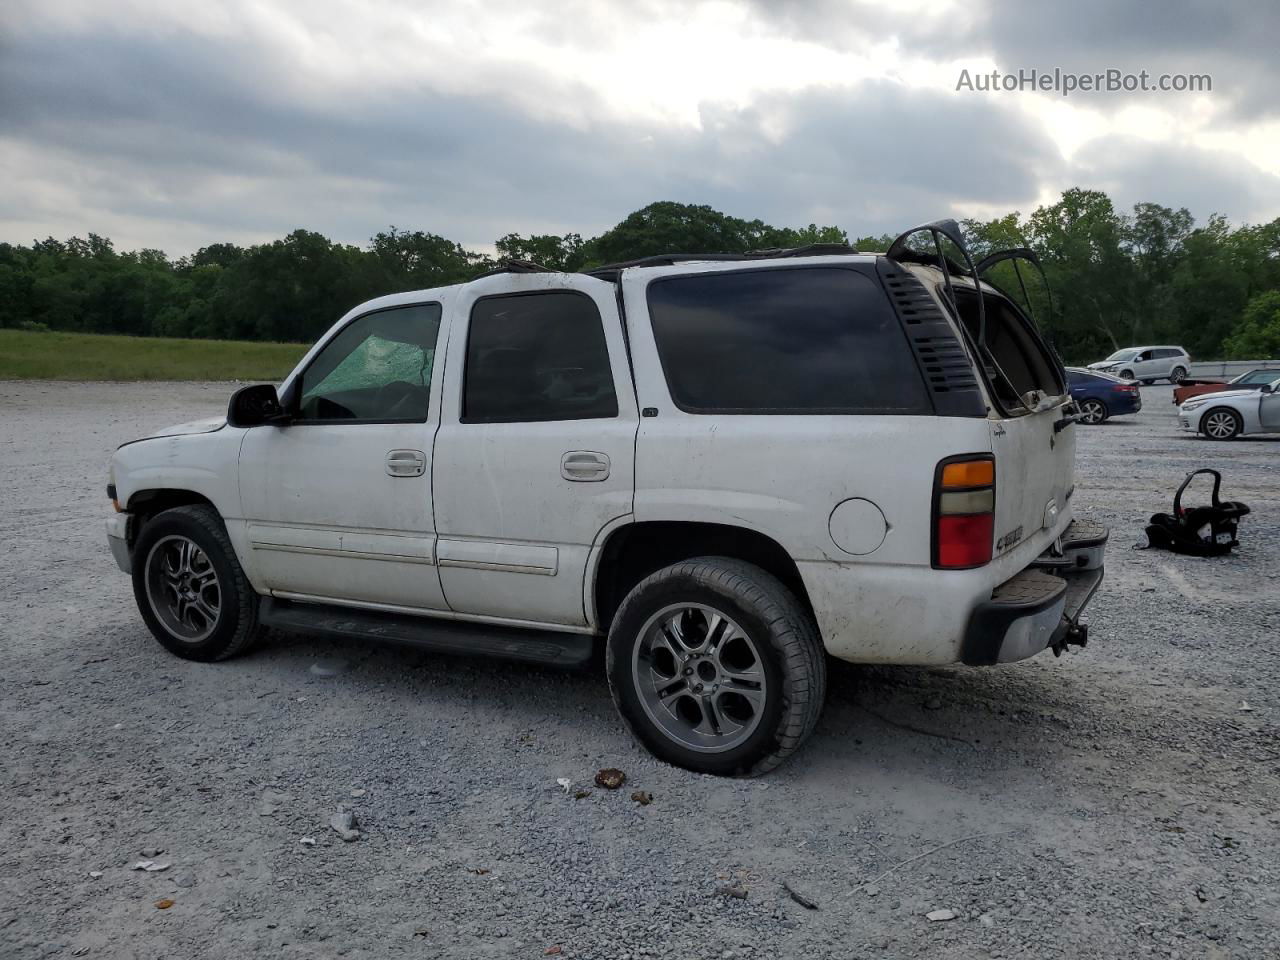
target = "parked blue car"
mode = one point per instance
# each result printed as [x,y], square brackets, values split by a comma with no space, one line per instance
[1101,396]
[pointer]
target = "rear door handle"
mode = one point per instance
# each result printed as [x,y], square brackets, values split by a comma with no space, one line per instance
[406,463]
[584,466]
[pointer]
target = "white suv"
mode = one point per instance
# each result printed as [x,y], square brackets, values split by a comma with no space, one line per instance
[716,469]
[1147,364]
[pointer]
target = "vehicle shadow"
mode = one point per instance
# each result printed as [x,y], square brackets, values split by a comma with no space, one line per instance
[881,710]
[1228,444]
[969,705]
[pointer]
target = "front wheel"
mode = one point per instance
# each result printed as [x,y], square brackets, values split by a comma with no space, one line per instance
[716,667]
[1179,374]
[190,588]
[1093,411]
[1221,424]
[1126,374]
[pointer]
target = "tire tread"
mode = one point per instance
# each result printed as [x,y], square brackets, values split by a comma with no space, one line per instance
[793,636]
[248,630]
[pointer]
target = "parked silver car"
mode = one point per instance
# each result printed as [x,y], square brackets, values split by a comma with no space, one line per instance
[1147,364]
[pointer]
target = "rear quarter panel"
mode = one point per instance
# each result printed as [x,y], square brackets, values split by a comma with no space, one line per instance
[783,476]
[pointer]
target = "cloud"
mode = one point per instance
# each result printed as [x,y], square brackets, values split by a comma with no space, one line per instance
[1234,43]
[175,126]
[1204,181]
[929,25]
[190,132]
[872,160]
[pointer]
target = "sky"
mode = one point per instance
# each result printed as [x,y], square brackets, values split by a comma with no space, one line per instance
[169,124]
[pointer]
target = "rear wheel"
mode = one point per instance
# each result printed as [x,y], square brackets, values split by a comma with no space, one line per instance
[190,589]
[1221,423]
[1093,411]
[716,667]
[1178,375]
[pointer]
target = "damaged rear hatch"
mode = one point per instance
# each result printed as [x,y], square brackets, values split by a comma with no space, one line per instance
[1029,404]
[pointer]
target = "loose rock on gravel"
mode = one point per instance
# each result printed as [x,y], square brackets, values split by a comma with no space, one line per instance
[345,825]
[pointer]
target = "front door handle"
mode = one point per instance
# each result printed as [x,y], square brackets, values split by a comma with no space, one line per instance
[406,463]
[584,466]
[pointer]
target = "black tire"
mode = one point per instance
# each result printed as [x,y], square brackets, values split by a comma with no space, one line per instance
[1094,410]
[1234,419]
[1178,375]
[776,626]
[235,627]
[1126,374]
[1147,383]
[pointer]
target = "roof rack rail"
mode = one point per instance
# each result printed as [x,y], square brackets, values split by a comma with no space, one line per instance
[808,250]
[516,265]
[611,271]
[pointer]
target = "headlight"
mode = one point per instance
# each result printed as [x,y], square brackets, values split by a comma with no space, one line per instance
[1193,404]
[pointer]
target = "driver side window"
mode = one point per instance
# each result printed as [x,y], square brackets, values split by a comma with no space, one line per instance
[376,370]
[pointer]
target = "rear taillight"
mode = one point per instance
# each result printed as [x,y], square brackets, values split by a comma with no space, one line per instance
[964,504]
[1126,388]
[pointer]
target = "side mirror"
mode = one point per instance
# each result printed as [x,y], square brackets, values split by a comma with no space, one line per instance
[1267,388]
[256,405]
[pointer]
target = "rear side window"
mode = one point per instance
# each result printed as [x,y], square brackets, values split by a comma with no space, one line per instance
[535,357]
[791,340]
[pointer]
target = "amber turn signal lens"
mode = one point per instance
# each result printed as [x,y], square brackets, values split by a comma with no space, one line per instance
[968,473]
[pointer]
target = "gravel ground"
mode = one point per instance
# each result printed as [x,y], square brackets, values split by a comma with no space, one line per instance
[1119,801]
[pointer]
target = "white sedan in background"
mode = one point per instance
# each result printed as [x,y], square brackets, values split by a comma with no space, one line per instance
[1222,416]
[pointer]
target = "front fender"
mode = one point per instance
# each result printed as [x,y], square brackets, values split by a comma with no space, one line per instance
[206,464]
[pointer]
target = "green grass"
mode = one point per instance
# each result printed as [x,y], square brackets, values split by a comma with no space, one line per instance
[90,356]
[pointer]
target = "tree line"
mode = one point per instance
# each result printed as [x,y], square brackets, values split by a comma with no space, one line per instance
[1152,276]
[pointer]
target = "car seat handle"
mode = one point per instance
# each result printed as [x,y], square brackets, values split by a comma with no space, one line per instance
[1177,497]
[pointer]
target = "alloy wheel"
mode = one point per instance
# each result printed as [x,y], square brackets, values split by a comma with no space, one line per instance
[1093,411]
[700,677]
[1220,425]
[182,588]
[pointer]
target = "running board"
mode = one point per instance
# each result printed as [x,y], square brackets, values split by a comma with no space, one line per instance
[430,633]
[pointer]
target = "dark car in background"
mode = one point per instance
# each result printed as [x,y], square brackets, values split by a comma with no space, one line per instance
[1101,396]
